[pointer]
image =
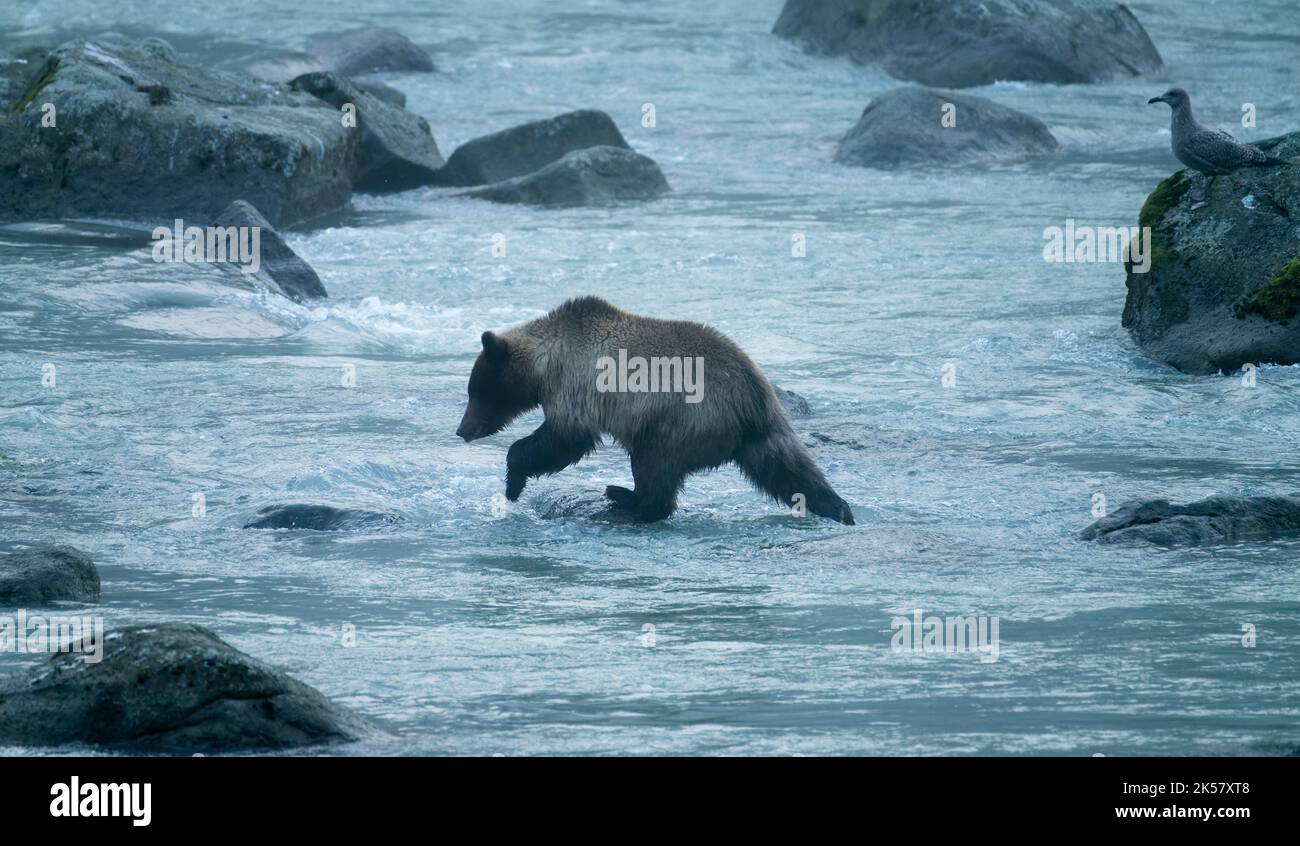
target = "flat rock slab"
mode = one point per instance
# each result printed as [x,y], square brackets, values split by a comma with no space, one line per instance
[1210,521]
[173,688]
[584,177]
[397,150]
[318,518]
[52,574]
[906,127]
[140,136]
[960,43]
[280,268]
[1223,286]
[529,147]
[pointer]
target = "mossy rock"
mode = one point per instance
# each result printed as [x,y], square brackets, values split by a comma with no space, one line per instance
[1223,286]
[1279,299]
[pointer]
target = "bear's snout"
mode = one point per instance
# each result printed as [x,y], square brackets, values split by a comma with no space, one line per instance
[470,428]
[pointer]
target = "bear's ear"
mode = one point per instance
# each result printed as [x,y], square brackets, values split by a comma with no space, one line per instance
[495,346]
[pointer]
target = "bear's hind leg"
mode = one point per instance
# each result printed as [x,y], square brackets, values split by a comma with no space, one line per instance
[779,465]
[657,484]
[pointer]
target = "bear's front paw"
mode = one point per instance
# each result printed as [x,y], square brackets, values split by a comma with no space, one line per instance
[620,496]
[514,487]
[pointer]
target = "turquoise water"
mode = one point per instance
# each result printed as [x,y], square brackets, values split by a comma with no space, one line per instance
[527,633]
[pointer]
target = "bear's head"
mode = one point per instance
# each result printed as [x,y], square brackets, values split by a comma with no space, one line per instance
[501,387]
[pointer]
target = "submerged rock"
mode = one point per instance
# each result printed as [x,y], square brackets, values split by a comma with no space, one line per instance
[523,149]
[1214,520]
[368,49]
[583,177]
[905,127]
[318,518]
[591,505]
[280,267]
[138,135]
[1223,288]
[794,405]
[959,44]
[173,688]
[397,148]
[51,574]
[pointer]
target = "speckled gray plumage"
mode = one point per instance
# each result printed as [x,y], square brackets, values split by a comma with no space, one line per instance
[1202,148]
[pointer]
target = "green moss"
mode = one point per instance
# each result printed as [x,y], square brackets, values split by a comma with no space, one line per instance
[45,78]
[1164,198]
[1279,299]
[1167,195]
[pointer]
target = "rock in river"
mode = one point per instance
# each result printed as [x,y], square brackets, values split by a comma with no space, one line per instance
[529,147]
[41,576]
[794,404]
[920,126]
[368,49]
[137,135]
[583,177]
[318,518]
[351,52]
[397,147]
[1214,520]
[961,43]
[173,688]
[1223,286]
[279,266]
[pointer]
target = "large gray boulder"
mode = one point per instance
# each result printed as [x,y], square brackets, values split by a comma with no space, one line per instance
[905,127]
[51,574]
[962,43]
[139,135]
[583,177]
[397,147]
[1223,286]
[1214,520]
[280,267]
[529,147]
[173,688]
[318,518]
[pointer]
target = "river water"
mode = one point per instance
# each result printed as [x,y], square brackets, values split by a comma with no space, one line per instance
[733,628]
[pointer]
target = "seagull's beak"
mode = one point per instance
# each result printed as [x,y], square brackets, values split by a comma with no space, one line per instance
[1155,100]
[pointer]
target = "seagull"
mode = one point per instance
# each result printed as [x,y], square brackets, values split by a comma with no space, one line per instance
[1210,151]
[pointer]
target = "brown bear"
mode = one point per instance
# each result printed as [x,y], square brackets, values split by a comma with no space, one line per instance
[678,396]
